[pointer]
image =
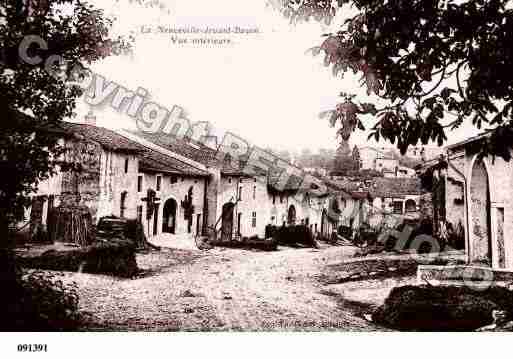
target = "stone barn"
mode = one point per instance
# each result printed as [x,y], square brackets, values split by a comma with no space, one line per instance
[474,191]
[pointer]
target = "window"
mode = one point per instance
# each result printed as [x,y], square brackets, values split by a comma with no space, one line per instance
[253,219]
[274,199]
[281,198]
[173,179]
[122,206]
[240,193]
[254,192]
[139,213]
[159,182]
[139,183]
[229,180]
[126,165]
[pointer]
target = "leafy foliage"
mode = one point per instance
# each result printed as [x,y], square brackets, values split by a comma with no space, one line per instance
[345,162]
[41,91]
[428,60]
[44,303]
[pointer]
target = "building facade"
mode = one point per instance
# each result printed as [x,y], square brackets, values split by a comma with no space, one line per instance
[475,190]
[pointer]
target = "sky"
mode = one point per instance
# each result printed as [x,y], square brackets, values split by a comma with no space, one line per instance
[263,87]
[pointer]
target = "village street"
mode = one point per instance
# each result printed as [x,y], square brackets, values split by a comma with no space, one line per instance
[230,290]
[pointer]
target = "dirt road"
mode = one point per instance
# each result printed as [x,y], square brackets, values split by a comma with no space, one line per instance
[224,290]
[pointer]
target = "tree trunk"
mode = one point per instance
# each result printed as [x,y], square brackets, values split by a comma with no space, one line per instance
[8,275]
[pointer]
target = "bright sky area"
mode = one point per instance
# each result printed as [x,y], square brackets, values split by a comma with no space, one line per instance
[263,87]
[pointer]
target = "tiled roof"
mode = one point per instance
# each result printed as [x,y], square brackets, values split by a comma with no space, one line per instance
[344,185]
[379,187]
[360,195]
[390,187]
[195,151]
[150,160]
[108,139]
[153,161]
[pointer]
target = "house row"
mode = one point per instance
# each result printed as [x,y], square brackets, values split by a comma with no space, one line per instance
[171,186]
[383,160]
[379,200]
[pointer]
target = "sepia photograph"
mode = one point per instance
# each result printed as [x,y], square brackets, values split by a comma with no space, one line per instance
[314,167]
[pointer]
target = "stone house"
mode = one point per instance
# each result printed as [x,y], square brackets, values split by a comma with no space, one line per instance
[368,156]
[99,167]
[115,175]
[386,163]
[378,201]
[399,196]
[180,191]
[475,191]
[241,205]
[426,153]
[405,172]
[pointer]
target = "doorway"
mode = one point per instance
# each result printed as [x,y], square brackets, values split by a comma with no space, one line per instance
[480,236]
[169,217]
[227,222]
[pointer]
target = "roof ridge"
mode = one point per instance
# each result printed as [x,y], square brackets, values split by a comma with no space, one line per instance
[164,151]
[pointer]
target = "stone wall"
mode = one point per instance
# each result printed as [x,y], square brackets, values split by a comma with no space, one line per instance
[480,215]
[455,191]
[269,208]
[114,181]
[81,178]
[173,187]
[500,213]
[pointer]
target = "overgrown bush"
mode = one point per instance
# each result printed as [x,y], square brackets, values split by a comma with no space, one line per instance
[116,257]
[42,303]
[442,308]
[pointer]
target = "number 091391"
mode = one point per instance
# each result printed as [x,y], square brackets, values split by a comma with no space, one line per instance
[34,348]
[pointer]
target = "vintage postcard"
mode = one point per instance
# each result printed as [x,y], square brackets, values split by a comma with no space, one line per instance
[255,166]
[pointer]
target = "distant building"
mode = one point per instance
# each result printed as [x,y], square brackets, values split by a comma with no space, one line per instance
[368,156]
[424,153]
[386,163]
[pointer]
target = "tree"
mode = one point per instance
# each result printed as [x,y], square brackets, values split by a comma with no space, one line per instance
[344,163]
[356,157]
[426,60]
[39,93]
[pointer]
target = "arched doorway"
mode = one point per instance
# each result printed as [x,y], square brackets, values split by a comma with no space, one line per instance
[411,206]
[227,222]
[291,216]
[169,217]
[480,236]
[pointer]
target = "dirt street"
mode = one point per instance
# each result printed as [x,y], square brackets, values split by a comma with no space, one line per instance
[226,290]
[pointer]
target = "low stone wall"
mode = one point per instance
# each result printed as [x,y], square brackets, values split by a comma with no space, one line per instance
[463,275]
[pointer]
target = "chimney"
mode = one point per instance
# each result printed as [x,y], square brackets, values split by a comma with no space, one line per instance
[90,119]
